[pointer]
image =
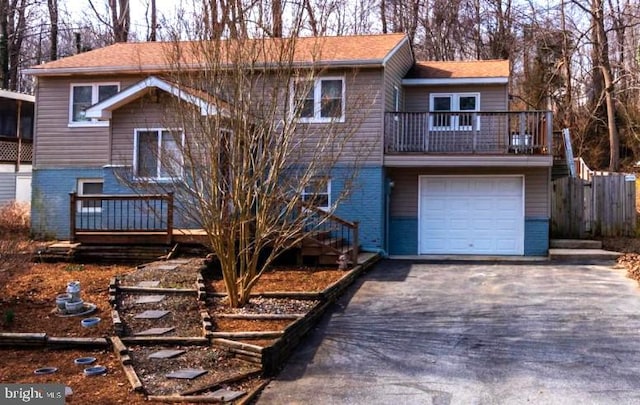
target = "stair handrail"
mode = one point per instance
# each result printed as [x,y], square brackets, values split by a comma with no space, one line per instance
[330,217]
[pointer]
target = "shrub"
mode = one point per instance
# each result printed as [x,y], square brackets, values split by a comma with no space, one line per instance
[14,221]
[15,247]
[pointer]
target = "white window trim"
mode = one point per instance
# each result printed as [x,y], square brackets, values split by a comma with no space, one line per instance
[317,100]
[94,100]
[455,107]
[135,154]
[87,210]
[328,192]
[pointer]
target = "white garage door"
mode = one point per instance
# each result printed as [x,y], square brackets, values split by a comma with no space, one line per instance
[471,215]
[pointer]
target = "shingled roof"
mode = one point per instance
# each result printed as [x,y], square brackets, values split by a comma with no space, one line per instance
[152,57]
[459,69]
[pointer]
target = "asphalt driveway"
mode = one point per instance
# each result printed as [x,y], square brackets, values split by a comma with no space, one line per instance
[413,333]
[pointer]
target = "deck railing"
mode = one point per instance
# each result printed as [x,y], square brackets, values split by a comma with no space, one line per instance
[120,218]
[488,132]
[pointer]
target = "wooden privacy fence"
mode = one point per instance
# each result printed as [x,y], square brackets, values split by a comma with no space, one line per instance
[595,204]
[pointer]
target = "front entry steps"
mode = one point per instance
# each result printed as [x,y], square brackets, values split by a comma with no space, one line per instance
[578,250]
[575,244]
[324,248]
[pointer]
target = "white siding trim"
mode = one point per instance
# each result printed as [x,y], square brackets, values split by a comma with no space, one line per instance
[456,81]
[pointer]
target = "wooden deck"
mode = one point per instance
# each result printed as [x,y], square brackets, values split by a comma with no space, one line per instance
[184,236]
[144,223]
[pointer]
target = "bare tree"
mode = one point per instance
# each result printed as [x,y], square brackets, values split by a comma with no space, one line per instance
[13,23]
[118,18]
[52,5]
[250,171]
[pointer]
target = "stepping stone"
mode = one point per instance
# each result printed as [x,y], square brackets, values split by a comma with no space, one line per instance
[151,283]
[150,299]
[224,395]
[166,354]
[179,261]
[187,373]
[151,314]
[154,331]
[167,267]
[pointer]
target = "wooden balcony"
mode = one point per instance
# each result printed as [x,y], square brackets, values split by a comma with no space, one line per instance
[467,134]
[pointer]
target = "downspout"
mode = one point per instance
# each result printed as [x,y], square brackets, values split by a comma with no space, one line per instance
[387,212]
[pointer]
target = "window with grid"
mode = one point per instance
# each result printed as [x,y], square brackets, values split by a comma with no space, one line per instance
[320,100]
[84,96]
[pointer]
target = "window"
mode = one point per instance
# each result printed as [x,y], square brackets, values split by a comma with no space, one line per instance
[456,111]
[90,187]
[157,154]
[320,100]
[318,193]
[84,96]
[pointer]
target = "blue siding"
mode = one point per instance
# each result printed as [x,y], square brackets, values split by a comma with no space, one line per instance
[536,237]
[364,204]
[50,199]
[403,236]
[51,188]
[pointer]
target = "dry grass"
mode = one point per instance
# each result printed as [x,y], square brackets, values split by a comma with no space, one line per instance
[15,246]
[15,220]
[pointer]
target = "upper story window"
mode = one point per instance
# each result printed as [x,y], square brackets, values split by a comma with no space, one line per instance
[321,100]
[454,111]
[158,154]
[84,96]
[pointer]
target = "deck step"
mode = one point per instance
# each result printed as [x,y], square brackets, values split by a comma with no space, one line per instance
[575,244]
[582,255]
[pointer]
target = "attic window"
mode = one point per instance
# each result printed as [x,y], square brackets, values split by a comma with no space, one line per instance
[84,96]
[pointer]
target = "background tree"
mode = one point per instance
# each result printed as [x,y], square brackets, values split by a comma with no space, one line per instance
[118,18]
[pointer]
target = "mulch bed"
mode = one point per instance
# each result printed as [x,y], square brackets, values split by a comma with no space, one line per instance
[28,305]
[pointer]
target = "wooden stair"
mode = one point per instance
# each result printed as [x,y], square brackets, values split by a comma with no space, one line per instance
[559,169]
[324,249]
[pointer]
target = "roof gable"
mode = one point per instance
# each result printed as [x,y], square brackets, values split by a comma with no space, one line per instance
[207,104]
[153,57]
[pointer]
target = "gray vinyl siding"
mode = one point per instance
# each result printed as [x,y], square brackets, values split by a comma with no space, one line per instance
[404,195]
[363,121]
[396,68]
[138,114]
[492,97]
[58,145]
[362,124]
[7,187]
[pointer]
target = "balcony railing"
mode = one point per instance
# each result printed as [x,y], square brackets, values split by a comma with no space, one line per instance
[482,132]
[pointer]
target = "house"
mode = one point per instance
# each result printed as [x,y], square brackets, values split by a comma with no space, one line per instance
[16,134]
[449,169]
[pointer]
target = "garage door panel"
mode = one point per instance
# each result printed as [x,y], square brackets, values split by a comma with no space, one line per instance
[471,215]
